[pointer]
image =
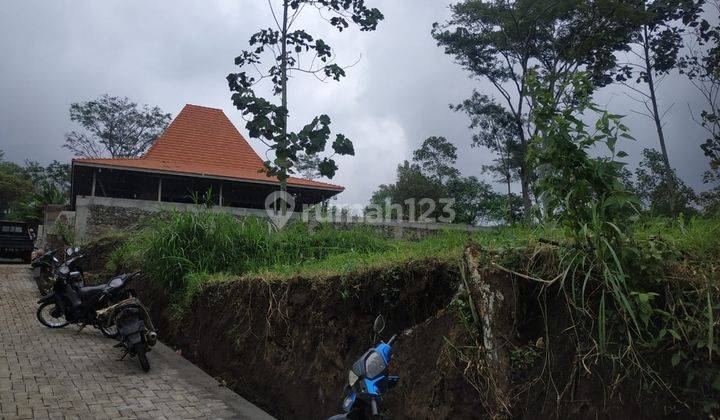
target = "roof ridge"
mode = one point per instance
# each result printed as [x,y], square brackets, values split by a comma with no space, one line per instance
[206,107]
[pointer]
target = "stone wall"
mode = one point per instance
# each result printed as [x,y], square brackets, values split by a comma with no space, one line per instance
[96,215]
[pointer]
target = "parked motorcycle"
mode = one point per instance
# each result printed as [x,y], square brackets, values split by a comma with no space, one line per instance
[69,303]
[368,380]
[49,261]
[136,330]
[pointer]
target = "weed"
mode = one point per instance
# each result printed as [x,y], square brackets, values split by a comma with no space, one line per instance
[524,357]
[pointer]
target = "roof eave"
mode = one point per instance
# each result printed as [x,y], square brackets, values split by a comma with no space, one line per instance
[336,189]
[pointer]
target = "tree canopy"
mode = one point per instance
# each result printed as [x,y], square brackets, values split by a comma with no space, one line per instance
[114,127]
[436,157]
[431,187]
[25,190]
[275,55]
[653,189]
[502,41]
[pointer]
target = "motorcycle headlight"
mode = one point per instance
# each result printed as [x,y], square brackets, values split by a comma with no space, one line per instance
[352,378]
[374,365]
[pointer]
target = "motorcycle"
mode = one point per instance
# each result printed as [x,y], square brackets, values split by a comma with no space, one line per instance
[69,303]
[47,259]
[368,380]
[136,330]
[48,262]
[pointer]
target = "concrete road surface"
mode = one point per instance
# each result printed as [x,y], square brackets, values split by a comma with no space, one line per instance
[47,373]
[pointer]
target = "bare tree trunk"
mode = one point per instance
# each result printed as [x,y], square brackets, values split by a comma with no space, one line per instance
[658,122]
[524,170]
[524,175]
[283,182]
[509,199]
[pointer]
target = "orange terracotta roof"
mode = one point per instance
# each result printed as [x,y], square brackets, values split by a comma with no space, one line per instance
[202,141]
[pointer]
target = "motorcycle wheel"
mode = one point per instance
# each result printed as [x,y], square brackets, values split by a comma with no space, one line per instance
[47,319]
[110,332]
[142,357]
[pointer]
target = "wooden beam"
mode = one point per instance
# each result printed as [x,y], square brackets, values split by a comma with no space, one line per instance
[160,189]
[93,184]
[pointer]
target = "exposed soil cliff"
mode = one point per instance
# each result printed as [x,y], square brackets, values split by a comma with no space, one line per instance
[286,345]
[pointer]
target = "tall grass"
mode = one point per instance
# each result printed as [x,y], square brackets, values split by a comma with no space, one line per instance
[178,244]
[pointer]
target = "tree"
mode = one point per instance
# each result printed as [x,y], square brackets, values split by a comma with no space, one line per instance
[579,190]
[702,67]
[13,184]
[502,41]
[114,127]
[268,121]
[425,187]
[25,190]
[436,157]
[655,187]
[658,38]
[475,201]
[31,206]
[401,200]
[496,130]
[59,174]
[56,174]
[308,166]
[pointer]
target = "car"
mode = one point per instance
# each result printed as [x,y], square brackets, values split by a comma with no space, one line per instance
[16,240]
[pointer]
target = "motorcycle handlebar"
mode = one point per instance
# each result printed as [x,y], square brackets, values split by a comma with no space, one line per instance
[390,341]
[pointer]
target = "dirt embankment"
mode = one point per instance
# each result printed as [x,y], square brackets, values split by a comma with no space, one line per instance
[287,345]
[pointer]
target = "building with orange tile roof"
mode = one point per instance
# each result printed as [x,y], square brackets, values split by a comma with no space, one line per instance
[201,152]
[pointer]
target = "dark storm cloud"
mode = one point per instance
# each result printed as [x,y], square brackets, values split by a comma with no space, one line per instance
[169,53]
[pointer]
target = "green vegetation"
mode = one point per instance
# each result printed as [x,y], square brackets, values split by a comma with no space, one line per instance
[423,185]
[630,295]
[279,51]
[648,300]
[176,245]
[25,190]
[114,126]
[65,231]
[179,250]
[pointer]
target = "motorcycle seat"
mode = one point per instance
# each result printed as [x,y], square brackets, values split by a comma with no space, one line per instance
[88,291]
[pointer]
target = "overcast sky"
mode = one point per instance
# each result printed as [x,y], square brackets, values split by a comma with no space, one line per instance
[169,53]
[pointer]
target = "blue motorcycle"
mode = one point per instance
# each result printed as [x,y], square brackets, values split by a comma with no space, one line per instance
[368,380]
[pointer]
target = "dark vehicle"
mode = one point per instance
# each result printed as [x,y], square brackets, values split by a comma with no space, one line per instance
[69,303]
[15,240]
[44,267]
[46,264]
[48,260]
[368,380]
[135,328]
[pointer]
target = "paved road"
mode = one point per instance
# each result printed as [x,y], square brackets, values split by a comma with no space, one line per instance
[48,373]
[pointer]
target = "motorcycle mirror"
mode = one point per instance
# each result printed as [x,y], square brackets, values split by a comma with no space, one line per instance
[379,325]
